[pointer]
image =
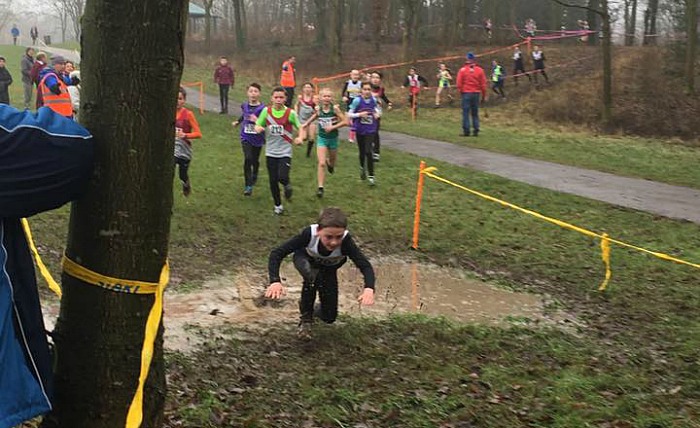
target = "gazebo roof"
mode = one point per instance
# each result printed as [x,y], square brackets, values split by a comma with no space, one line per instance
[196,11]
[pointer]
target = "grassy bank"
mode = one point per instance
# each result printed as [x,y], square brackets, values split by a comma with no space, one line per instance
[631,359]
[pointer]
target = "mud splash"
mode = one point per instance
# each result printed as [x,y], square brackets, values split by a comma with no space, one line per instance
[401,288]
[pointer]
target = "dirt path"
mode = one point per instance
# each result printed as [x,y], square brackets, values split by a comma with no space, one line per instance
[675,202]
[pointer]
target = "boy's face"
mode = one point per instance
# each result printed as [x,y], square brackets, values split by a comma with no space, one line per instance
[412,71]
[331,237]
[253,93]
[69,67]
[223,61]
[375,79]
[2,63]
[278,98]
[355,75]
[366,91]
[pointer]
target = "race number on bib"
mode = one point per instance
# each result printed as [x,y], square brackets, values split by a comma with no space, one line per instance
[249,129]
[367,120]
[276,130]
[325,122]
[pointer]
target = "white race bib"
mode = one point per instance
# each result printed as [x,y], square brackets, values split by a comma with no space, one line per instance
[249,128]
[276,130]
[367,120]
[325,122]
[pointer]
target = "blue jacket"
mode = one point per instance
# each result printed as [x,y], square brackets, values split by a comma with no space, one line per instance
[45,161]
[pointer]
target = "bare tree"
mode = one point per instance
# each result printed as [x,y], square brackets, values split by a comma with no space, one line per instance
[120,228]
[5,13]
[208,5]
[238,13]
[75,8]
[604,13]
[691,12]
[61,9]
[650,36]
[336,30]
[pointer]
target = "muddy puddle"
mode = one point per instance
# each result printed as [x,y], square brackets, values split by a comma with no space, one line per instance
[236,298]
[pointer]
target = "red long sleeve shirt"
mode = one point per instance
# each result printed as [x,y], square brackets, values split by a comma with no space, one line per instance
[471,78]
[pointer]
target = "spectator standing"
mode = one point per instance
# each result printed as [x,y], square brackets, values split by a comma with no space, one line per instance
[26,69]
[223,76]
[288,79]
[53,86]
[40,63]
[471,81]
[15,34]
[5,82]
[34,34]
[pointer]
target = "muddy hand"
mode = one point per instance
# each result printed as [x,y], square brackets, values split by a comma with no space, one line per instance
[367,297]
[275,291]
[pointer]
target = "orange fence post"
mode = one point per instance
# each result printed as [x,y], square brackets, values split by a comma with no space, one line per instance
[419,198]
[414,105]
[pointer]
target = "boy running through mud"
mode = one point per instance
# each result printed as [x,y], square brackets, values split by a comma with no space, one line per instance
[319,251]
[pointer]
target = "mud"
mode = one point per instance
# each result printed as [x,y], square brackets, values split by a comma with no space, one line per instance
[236,298]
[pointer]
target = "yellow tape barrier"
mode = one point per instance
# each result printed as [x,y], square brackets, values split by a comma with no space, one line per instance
[605,240]
[53,285]
[135,415]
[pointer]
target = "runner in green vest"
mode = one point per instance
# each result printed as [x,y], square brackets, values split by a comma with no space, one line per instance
[498,74]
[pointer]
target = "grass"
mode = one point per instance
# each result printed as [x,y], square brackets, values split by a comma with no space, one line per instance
[636,344]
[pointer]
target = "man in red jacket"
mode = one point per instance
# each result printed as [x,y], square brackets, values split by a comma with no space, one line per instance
[471,82]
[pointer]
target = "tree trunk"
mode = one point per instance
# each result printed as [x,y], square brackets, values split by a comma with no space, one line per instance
[300,21]
[607,63]
[321,21]
[378,8]
[238,6]
[692,16]
[120,228]
[593,18]
[336,31]
[633,23]
[411,11]
[650,35]
[207,24]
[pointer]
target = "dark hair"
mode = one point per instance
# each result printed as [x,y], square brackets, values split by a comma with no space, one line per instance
[223,57]
[183,92]
[379,73]
[255,85]
[307,83]
[332,217]
[26,51]
[279,89]
[71,63]
[366,82]
[413,68]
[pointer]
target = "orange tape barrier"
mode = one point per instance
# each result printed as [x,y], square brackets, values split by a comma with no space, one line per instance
[200,85]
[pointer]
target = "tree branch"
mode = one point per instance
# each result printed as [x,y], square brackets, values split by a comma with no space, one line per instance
[577,6]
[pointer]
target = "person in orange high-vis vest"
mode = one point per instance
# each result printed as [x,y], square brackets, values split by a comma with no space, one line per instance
[54,90]
[288,79]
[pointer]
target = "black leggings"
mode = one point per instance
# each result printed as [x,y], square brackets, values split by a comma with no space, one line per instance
[251,163]
[538,71]
[365,143]
[317,279]
[184,166]
[377,140]
[223,96]
[278,170]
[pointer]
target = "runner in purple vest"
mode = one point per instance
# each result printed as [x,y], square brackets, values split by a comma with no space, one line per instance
[251,141]
[365,113]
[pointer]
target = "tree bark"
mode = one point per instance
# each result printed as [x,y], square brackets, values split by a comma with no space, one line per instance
[593,18]
[336,31]
[208,4]
[300,21]
[120,228]
[692,17]
[321,21]
[378,8]
[238,6]
[650,35]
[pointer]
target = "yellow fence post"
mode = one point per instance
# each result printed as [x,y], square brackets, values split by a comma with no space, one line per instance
[605,255]
[419,198]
